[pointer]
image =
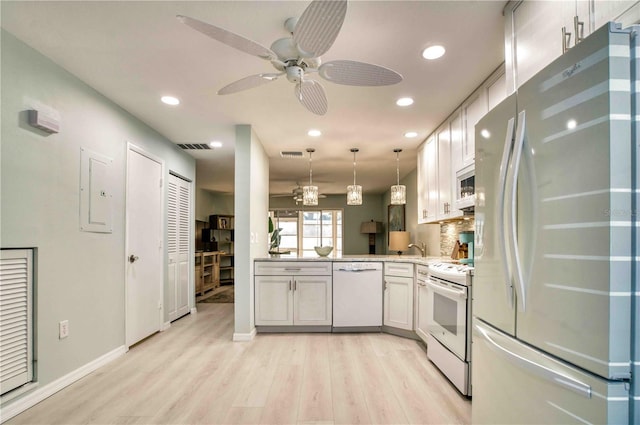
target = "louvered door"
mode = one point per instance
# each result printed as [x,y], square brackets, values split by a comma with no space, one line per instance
[16,346]
[178,213]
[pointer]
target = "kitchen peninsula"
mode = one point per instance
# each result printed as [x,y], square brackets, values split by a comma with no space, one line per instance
[299,294]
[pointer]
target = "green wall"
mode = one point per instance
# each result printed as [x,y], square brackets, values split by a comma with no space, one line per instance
[79,275]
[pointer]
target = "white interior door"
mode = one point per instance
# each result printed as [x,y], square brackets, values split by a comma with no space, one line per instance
[144,245]
[178,213]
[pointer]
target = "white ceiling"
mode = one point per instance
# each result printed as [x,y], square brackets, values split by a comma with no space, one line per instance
[135,52]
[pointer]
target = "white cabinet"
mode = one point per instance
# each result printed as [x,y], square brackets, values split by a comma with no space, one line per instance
[293,293]
[436,184]
[474,109]
[398,295]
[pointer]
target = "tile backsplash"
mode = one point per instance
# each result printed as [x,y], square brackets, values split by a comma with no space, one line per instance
[449,234]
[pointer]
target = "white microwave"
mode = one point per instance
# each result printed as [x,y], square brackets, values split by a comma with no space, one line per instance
[466,189]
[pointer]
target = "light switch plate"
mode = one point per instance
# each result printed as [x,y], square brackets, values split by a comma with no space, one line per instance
[63,329]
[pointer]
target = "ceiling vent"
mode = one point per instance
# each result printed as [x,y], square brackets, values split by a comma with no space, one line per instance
[291,154]
[194,146]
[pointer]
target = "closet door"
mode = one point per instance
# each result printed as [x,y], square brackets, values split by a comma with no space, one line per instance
[16,346]
[178,213]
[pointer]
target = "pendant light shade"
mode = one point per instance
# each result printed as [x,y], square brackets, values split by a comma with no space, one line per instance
[310,193]
[354,191]
[398,191]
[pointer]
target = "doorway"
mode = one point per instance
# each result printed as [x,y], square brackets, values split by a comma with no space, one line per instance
[144,239]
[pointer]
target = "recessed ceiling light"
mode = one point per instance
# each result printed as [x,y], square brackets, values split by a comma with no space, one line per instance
[571,124]
[410,134]
[314,133]
[215,144]
[404,101]
[433,52]
[170,100]
[485,133]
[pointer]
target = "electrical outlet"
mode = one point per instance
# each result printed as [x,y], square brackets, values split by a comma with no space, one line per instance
[63,329]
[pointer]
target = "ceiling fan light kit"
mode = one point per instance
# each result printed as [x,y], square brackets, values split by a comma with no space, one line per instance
[354,191]
[310,193]
[398,191]
[299,55]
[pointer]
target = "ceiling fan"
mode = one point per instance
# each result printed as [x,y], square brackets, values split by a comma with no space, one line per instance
[296,194]
[298,55]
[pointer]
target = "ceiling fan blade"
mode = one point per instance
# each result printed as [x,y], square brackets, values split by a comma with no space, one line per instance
[319,26]
[311,94]
[353,73]
[230,39]
[248,83]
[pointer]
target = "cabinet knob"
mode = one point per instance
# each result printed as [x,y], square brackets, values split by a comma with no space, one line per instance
[133,258]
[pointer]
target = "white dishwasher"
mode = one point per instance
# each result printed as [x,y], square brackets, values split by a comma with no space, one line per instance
[357,296]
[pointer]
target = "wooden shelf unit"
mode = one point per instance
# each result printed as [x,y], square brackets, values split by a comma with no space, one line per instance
[207,271]
[223,232]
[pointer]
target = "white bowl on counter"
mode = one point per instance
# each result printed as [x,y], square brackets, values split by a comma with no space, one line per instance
[323,251]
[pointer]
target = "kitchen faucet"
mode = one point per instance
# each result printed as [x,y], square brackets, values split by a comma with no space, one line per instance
[422,247]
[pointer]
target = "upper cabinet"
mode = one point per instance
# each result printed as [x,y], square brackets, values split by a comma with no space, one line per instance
[450,150]
[537,32]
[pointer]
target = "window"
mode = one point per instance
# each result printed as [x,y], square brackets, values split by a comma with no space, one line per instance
[304,230]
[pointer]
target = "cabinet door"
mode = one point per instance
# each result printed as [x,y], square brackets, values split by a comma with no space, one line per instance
[274,300]
[431,162]
[312,300]
[475,109]
[444,170]
[497,91]
[398,302]
[625,12]
[422,312]
[538,35]
[457,160]
[423,189]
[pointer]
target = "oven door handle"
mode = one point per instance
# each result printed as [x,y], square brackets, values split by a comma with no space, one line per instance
[446,291]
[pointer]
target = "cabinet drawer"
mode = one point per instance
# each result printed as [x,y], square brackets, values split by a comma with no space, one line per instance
[398,269]
[300,268]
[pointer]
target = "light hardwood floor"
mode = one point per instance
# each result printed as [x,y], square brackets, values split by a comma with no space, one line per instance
[194,374]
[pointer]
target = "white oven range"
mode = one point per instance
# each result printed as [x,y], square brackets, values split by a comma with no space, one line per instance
[449,322]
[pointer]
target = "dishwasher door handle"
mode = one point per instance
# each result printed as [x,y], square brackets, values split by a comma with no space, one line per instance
[356,270]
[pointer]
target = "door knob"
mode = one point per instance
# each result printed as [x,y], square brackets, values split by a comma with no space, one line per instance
[133,258]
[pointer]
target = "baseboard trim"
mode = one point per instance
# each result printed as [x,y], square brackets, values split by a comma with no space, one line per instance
[243,337]
[18,406]
[194,310]
[165,326]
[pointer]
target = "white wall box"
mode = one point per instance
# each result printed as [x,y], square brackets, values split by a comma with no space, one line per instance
[16,330]
[398,295]
[293,294]
[95,192]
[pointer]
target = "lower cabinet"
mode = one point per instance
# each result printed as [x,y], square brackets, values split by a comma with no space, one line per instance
[293,300]
[398,296]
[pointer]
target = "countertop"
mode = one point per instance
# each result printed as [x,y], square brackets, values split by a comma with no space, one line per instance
[414,259]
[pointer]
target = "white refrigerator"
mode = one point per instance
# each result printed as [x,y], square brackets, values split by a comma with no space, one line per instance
[556,297]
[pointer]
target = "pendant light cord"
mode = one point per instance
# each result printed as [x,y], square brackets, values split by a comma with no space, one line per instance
[398,168]
[310,172]
[354,168]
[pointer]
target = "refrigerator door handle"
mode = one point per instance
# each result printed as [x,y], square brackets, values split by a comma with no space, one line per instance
[500,220]
[536,368]
[512,192]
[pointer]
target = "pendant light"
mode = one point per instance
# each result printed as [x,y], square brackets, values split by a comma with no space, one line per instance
[310,193]
[398,191]
[354,191]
